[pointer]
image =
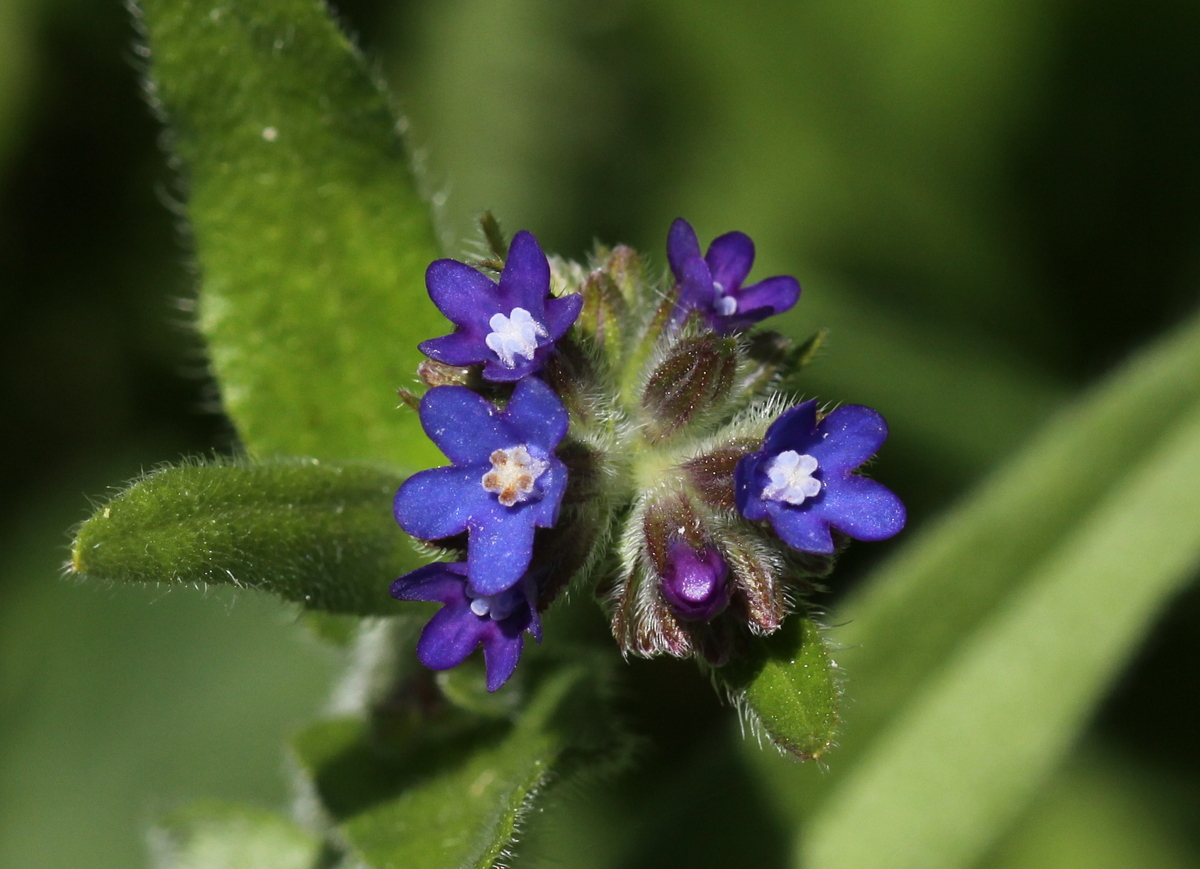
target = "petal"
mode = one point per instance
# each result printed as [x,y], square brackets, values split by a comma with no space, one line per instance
[536,415]
[802,528]
[729,258]
[441,583]
[496,371]
[561,313]
[776,294]
[499,547]
[682,245]
[796,429]
[525,281]
[451,635]
[695,286]
[501,652]
[458,348]
[553,485]
[746,489]
[862,508]
[441,502]
[848,437]
[465,296]
[464,425]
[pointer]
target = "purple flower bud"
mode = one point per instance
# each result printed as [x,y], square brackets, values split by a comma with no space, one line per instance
[690,383]
[695,584]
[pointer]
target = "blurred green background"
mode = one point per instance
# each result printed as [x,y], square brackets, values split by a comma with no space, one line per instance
[989,204]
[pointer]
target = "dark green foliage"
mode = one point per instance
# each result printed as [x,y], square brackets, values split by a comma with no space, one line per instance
[455,793]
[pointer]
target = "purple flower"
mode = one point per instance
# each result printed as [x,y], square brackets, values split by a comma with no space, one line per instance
[694,583]
[470,619]
[801,479]
[510,327]
[504,479]
[712,283]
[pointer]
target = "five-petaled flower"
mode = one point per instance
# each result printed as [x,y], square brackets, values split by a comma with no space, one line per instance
[504,480]
[470,619]
[712,284]
[510,327]
[801,479]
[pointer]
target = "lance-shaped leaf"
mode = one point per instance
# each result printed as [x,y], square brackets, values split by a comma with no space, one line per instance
[221,836]
[787,686]
[948,774]
[431,801]
[315,533]
[975,656]
[311,239]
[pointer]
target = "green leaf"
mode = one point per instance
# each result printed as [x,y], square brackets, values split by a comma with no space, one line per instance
[976,656]
[220,836]
[311,238]
[315,533]
[438,799]
[787,686]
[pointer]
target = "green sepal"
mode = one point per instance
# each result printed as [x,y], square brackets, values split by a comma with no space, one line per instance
[311,532]
[311,239]
[213,835]
[448,796]
[775,362]
[786,685]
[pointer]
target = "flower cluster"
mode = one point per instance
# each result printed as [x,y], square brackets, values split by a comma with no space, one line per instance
[605,428]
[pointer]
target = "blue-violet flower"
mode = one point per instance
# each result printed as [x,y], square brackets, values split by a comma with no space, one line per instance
[510,327]
[801,479]
[695,583]
[712,284]
[470,619]
[504,480]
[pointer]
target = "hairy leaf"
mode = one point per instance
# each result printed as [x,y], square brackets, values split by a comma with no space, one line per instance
[788,687]
[315,533]
[312,241]
[456,798]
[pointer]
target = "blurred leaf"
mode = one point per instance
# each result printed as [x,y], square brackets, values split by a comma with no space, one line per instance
[334,628]
[219,836]
[982,648]
[1101,812]
[318,534]
[788,687]
[312,240]
[16,56]
[431,801]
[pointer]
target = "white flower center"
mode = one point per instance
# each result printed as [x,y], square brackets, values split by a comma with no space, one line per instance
[514,335]
[513,473]
[498,606]
[790,478]
[725,306]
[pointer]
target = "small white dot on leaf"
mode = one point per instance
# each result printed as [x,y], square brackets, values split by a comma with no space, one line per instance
[270,134]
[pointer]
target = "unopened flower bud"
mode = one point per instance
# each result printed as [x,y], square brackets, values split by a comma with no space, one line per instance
[692,381]
[695,583]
